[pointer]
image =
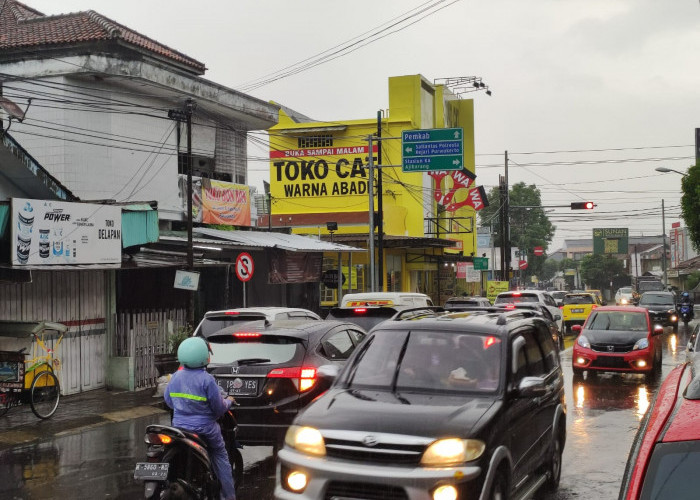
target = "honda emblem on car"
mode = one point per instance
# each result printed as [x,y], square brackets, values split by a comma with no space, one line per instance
[611,348]
[234,370]
[370,441]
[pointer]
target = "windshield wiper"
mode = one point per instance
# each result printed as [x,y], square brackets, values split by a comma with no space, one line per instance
[252,361]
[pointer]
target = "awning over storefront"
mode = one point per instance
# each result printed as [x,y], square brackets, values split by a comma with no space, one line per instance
[282,241]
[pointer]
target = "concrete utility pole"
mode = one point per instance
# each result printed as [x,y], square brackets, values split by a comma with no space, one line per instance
[370,189]
[380,204]
[506,210]
[663,251]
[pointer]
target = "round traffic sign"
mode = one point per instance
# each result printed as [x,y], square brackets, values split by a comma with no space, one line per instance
[522,264]
[538,251]
[244,266]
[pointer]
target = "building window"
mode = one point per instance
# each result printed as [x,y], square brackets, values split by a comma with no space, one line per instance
[319,141]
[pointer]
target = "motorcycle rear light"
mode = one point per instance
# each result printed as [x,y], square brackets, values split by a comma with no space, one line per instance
[247,335]
[360,310]
[153,438]
[303,378]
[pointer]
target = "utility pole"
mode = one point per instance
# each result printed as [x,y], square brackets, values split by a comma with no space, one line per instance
[179,115]
[380,208]
[506,210]
[370,189]
[663,251]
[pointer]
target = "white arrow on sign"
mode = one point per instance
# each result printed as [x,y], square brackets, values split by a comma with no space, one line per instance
[456,134]
[455,162]
[408,150]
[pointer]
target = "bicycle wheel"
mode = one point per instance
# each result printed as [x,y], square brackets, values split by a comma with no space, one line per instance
[44,394]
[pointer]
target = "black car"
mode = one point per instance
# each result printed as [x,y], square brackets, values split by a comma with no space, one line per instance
[464,405]
[661,307]
[466,302]
[271,369]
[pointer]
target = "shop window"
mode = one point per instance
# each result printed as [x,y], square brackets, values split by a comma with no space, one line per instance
[318,141]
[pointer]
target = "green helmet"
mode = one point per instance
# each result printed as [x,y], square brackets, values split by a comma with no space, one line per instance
[193,352]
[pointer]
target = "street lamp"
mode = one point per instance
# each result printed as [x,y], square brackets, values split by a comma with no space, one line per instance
[666,170]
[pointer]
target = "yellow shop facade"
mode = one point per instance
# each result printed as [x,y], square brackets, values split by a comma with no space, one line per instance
[319,186]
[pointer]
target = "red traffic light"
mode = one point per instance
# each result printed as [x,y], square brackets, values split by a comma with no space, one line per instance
[582,205]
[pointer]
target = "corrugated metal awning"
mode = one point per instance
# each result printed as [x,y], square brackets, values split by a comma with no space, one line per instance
[289,242]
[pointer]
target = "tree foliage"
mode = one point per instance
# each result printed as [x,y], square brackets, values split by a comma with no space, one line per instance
[529,227]
[597,271]
[549,270]
[690,204]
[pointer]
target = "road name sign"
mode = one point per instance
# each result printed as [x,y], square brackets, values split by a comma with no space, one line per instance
[432,149]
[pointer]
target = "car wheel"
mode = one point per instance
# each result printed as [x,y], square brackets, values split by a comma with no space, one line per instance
[498,489]
[553,466]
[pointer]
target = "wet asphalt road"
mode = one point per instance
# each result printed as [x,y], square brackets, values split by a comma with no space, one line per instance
[603,415]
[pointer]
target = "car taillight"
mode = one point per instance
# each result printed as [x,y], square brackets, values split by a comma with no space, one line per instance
[561,307]
[232,313]
[516,294]
[593,306]
[360,310]
[303,378]
[247,335]
[510,306]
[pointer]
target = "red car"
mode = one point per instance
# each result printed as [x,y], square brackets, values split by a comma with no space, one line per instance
[618,339]
[665,457]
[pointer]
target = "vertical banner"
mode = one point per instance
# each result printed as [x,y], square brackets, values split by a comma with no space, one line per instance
[225,203]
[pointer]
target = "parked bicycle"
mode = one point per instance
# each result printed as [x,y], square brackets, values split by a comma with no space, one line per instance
[33,380]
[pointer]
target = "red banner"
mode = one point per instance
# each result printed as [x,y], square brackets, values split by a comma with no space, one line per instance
[225,203]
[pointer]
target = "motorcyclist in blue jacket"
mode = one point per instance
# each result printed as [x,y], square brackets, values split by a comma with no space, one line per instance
[686,301]
[197,403]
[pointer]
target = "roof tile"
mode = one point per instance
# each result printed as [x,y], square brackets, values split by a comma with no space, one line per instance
[21,26]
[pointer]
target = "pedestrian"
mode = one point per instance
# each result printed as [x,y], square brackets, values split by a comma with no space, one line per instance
[197,403]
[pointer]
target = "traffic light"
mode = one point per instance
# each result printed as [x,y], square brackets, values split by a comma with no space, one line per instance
[582,205]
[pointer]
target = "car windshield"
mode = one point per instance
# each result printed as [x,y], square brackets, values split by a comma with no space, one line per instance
[515,298]
[427,361]
[672,471]
[618,320]
[273,349]
[451,304]
[656,299]
[213,324]
[579,299]
[625,290]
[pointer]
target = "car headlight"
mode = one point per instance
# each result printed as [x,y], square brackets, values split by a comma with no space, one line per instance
[583,341]
[623,301]
[641,344]
[452,451]
[305,439]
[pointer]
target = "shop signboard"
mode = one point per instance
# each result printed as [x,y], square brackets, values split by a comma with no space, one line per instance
[48,232]
[493,288]
[610,240]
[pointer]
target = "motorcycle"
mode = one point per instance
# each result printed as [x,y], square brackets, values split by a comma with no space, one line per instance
[686,313]
[178,465]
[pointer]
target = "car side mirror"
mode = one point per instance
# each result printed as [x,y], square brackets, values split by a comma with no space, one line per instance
[658,329]
[576,329]
[327,374]
[532,387]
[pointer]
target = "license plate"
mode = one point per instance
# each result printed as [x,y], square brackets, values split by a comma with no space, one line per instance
[577,310]
[151,471]
[239,386]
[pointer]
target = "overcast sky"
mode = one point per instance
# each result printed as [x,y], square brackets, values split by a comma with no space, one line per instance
[569,78]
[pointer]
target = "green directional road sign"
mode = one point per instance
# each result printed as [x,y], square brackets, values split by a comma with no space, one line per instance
[481,263]
[432,149]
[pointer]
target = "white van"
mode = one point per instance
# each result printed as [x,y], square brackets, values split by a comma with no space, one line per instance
[403,299]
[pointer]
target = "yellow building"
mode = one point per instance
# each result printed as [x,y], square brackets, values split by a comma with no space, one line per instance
[319,175]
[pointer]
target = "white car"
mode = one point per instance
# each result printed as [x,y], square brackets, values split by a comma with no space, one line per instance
[213,321]
[536,296]
[625,296]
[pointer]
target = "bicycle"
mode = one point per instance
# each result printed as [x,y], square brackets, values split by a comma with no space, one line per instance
[34,380]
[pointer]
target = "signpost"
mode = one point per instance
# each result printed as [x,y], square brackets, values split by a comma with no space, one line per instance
[538,251]
[481,263]
[522,265]
[244,270]
[432,149]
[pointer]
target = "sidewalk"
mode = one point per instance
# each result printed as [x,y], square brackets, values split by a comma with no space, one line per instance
[76,412]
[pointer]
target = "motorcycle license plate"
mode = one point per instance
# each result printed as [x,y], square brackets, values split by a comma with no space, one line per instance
[151,471]
[239,386]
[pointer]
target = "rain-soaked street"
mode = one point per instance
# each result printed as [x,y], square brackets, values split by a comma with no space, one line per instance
[98,461]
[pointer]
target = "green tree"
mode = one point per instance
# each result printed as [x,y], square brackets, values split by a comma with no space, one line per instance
[529,225]
[690,204]
[549,270]
[564,265]
[597,271]
[692,280]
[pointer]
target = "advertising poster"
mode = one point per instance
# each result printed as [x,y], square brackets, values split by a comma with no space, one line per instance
[493,288]
[46,232]
[225,203]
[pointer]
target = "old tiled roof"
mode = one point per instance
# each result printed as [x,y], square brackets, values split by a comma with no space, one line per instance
[23,27]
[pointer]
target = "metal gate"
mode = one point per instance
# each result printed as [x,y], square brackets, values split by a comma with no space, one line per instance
[143,334]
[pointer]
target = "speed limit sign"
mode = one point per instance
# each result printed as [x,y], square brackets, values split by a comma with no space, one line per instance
[244,267]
